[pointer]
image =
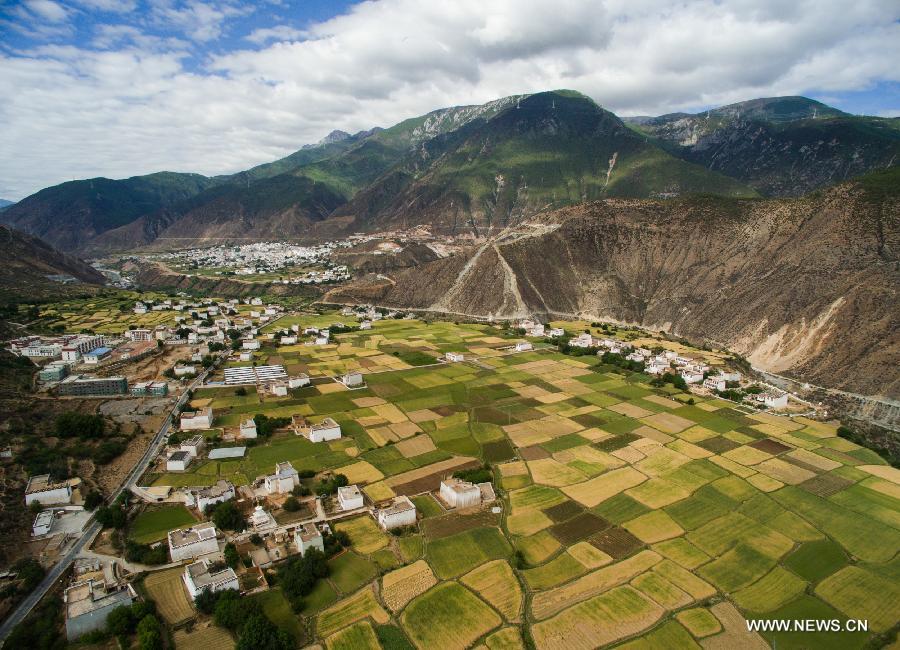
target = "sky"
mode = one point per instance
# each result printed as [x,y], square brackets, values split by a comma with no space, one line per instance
[118,88]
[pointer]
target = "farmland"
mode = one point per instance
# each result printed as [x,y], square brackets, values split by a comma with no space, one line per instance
[627,511]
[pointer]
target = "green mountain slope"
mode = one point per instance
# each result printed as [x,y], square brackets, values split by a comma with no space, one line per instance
[782,146]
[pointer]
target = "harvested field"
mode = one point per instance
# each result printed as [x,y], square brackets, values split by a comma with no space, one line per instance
[578,528]
[550,472]
[825,485]
[770,446]
[349,611]
[527,521]
[589,555]
[449,617]
[784,472]
[516,468]
[668,422]
[616,542]
[401,586]
[654,527]
[535,452]
[597,490]
[428,478]
[602,620]
[563,511]
[496,583]
[548,603]
[735,634]
[167,590]
[451,524]
[203,638]
[361,472]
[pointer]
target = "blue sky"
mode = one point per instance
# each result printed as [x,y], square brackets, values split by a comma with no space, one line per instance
[124,87]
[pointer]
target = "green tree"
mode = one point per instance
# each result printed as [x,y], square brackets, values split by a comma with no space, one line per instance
[259,633]
[149,633]
[232,558]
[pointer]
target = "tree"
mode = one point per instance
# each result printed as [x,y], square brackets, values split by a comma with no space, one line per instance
[240,391]
[231,611]
[92,500]
[206,601]
[149,634]
[291,504]
[83,425]
[232,558]
[227,516]
[259,633]
[120,621]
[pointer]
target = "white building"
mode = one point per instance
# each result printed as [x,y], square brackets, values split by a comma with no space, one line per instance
[279,388]
[42,523]
[178,461]
[401,512]
[772,399]
[716,382]
[139,335]
[198,578]
[455,357]
[731,376]
[190,543]
[288,340]
[204,497]
[252,344]
[299,381]
[307,537]
[248,428]
[365,325]
[96,355]
[196,420]
[524,346]
[193,445]
[323,431]
[352,379]
[283,480]
[556,331]
[583,340]
[350,498]
[457,493]
[261,521]
[691,376]
[46,492]
[181,371]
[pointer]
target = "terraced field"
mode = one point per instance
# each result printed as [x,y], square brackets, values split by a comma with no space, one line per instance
[628,513]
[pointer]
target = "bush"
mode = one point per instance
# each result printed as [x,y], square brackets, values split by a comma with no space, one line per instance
[477,475]
[299,575]
[112,516]
[30,572]
[240,391]
[291,504]
[145,554]
[232,558]
[92,500]
[227,516]
[330,486]
[83,425]
[149,633]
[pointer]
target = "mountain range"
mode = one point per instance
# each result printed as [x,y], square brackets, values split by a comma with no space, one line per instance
[471,169]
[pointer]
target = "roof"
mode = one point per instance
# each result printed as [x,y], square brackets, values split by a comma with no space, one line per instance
[96,351]
[400,504]
[308,532]
[90,595]
[227,452]
[459,486]
[221,487]
[44,518]
[42,483]
[349,492]
[201,577]
[179,455]
[193,535]
[193,441]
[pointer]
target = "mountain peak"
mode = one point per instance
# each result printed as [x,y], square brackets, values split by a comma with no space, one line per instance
[778,109]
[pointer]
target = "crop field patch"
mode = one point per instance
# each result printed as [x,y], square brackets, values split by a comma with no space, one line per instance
[578,528]
[699,622]
[428,481]
[776,588]
[548,471]
[167,590]
[402,585]
[863,594]
[453,523]
[349,571]
[654,526]
[682,552]
[350,610]
[534,452]
[596,490]
[498,451]
[538,547]
[455,555]
[562,568]
[448,616]
[825,485]
[616,442]
[718,444]
[154,524]
[359,636]
[365,535]
[736,568]
[661,591]
[204,638]
[496,583]
[616,542]
[770,446]
[563,511]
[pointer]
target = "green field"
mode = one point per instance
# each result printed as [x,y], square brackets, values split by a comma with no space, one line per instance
[154,523]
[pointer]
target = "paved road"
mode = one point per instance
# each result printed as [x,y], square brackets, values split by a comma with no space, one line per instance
[25,607]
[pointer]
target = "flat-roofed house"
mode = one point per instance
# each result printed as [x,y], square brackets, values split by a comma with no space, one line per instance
[299,381]
[283,480]
[198,578]
[524,346]
[41,488]
[193,445]
[178,461]
[248,428]
[457,493]
[322,431]
[190,543]
[772,399]
[401,512]
[307,537]
[88,604]
[196,420]
[716,382]
[455,357]
[352,379]
[350,498]
[202,498]
[42,523]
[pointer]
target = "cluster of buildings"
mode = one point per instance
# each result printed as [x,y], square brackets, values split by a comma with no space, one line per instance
[267,257]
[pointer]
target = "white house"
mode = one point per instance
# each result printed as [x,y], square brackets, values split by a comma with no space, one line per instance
[193,445]
[454,357]
[204,497]
[365,325]
[246,356]
[322,339]
[401,512]
[583,340]
[457,493]
[248,428]
[323,431]
[252,344]
[198,578]
[178,461]
[283,480]
[190,543]
[307,537]
[716,382]
[181,371]
[196,420]
[691,376]
[299,381]
[96,355]
[139,334]
[731,376]
[350,498]
[556,331]
[42,523]
[524,346]
[288,340]
[261,521]
[279,388]
[772,399]
[352,379]
[42,489]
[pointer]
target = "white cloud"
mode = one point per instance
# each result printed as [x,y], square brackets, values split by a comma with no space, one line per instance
[130,104]
[47,10]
